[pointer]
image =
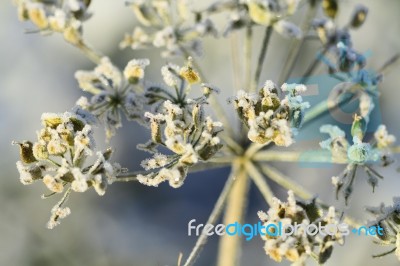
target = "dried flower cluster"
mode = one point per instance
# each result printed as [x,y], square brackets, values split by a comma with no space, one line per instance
[61,157]
[163,26]
[183,135]
[269,118]
[388,217]
[65,17]
[181,125]
[113,92]
[300,245]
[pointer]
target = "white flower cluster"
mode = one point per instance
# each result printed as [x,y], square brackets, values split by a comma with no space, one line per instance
[262,12]
[299,245]
[268,117]
[357,154]
[65,17]
[112,92]
[187,133]
[165,21]
[338,39]
[60,158]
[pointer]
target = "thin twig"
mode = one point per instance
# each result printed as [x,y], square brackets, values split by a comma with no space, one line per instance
[260,182]
[296,45]
[235,61]
[212,219]
[261,58]
[306,76]
[314,156]
[285,181]
[90,53]
[389,64]
[247,55]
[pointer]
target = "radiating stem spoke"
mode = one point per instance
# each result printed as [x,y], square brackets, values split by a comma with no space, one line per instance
[261,58]
[260,182]
[230,246]
[215,215]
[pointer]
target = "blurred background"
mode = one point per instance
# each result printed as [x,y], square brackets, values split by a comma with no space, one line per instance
[137,225]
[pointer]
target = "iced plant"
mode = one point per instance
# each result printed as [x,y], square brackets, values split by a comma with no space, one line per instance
[113,92]
[269,118]
[63,158]
[298,246]
[184,137]
[388,218]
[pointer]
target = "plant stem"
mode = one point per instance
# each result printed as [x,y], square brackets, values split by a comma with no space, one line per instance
[247,55]
[261,58]
[324,107]
[90,53]
[295,46]
[212,164]
[313,156]
[284,181]
[313,66]
[260,182]
[389,64]
[213,218]
[253,148]
[229,246]
[235,61]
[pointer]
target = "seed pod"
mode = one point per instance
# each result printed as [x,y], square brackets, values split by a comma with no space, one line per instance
[208,151]
[107,154]
[385,232]
[198,115]
[358,127]
[330,8]
[155,131]
[25,151]
[359,16]
[325,254]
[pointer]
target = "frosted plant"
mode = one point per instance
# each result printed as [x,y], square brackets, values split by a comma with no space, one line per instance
[113,92]
[389,219]
[189,131]
[298,246]
[59,158]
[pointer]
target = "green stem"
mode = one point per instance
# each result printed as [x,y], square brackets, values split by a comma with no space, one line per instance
[285,182]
